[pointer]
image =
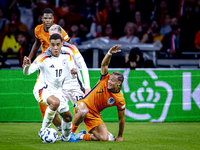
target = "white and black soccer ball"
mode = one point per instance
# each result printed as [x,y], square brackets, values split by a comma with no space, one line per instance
[49,135]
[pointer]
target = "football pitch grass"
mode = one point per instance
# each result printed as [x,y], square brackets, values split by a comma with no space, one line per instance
[138,136]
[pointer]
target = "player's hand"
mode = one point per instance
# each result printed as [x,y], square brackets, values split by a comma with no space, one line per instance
[73,71]
[26,61]
[114,49]
[118,138]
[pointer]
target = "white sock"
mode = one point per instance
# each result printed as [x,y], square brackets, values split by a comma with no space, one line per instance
[66,129]
[81,137]
[48,118]
[59,128]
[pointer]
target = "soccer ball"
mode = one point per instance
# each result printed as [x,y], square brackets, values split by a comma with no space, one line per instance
[110,137]
[49,135]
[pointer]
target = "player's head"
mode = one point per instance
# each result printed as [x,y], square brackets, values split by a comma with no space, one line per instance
[47,17]
[55,29]
[55,44]
[115,81]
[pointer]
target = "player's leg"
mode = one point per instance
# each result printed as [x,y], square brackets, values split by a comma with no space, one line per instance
[66,124]
[66,121]
[100,132]
[50,112]
[57,122]
[42,109]
[81,111]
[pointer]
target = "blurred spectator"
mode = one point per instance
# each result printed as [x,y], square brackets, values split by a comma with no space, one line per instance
[160,10]
[107,32]
[37,18]
[15,17]
[166,28]
[131,11]
[141,24]
[3,22]
[130,31]
[75,34]
[189,26]
[10,46]
[171,41]
[102,13]
[95,29]
[62,23]
[117,18]
[153,34]
[135,60]
[22,39]
[63,9]
[27,9]
[87,10]
[84,29]
[72,15]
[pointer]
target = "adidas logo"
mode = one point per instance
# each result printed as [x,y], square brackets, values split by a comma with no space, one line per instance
[52,66]
[148,102]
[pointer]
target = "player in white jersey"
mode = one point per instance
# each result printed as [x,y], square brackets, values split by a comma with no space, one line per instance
[55,67]
[73,89]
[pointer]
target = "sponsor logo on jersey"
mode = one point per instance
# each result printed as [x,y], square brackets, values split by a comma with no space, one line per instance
[64,63]
[52,66]
[111,100]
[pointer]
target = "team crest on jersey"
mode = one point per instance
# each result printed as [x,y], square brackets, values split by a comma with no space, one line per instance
[111,100]
[64,63]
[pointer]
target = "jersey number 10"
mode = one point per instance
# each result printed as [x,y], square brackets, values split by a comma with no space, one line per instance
[58,72]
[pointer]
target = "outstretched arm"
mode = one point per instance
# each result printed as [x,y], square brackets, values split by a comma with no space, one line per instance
[121,116]
[106,59]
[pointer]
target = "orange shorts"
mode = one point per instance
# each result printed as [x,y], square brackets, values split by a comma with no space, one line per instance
[92,119]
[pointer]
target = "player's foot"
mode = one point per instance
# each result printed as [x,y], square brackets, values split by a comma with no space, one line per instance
[62,138]
[79,134]
[72,138]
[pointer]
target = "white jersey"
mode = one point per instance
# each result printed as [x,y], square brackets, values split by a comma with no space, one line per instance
[80,65]
[53,69]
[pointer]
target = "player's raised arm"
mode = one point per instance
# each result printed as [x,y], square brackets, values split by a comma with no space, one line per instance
[106,59]
[35,48]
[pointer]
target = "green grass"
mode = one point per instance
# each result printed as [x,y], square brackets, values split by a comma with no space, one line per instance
[139,136]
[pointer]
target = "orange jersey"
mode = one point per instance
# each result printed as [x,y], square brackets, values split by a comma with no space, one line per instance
[100,97]
[43,36]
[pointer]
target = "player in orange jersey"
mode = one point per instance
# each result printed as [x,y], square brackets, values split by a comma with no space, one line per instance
[42,39]
[105,94]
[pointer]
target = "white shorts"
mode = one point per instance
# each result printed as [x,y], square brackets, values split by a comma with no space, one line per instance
[73,94]
[42,94]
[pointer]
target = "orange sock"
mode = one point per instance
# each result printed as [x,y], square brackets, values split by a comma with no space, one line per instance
[86,137]
[74,128]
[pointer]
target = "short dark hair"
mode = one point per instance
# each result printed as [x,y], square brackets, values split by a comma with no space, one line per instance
[55,37]
[120,78]
[48,11]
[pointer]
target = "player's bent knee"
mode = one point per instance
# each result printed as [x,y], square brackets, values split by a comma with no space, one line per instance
[84,112]
[56,103]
